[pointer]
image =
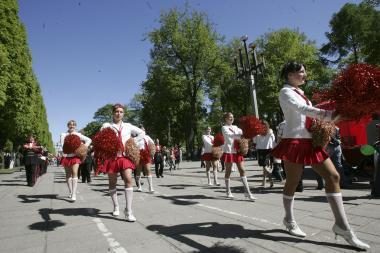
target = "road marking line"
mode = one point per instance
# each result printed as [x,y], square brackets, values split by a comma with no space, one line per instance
[114,246]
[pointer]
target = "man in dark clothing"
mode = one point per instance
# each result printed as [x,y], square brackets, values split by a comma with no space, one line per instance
[158,160]
[86,167]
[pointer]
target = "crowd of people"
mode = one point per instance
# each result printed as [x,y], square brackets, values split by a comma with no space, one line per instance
[283,154]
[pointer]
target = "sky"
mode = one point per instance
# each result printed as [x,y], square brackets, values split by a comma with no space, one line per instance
[88,53]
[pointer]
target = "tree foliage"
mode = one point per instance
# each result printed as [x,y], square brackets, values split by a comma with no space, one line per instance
[185,58]
[354,35]
[22,110]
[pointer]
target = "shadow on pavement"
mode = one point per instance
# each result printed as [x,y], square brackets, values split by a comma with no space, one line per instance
[224,231]
[185,199]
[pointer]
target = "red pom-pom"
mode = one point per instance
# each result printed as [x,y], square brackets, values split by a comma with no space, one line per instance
[251,126]
[218,140]
[106,144]
[71,143]
[356,91]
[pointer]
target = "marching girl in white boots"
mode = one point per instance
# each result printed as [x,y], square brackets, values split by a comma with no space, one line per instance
[145,161]
[70,161]
[207,157]
[296,150]
[232,134]
[121,164]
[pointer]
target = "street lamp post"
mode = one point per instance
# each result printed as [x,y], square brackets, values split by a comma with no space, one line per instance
[248,71]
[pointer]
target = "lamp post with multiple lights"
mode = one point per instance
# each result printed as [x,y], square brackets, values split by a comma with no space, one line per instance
[248,69]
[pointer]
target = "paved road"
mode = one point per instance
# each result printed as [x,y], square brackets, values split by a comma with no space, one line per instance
[184,215]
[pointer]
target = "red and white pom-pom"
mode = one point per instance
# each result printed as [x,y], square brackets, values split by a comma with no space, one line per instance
[106,144]
[216,152]
[356,91]
[243,146]
[251,126]
[71,143]
[322,132]
[81,152]
[152,148]
[218,140]
[132,151]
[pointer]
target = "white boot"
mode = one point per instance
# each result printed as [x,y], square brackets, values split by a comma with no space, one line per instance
[215,172]
[208,178]
[228,190]
[247,191]
[128,209]
[115,201]
[75,186]
[70,186]
[138,178]
[150,183]
[350,237]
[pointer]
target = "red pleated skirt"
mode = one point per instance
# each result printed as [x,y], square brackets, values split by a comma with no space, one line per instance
[145,157]
[232,158]
[207,157]
[299,151]
[70,161]
[116,165]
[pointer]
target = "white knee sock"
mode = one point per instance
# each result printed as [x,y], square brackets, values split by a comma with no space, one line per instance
[227,181]
[70,185]
[115,201]
[138,178]
[215,176]
[75,186]
[208,177]
[336,203]
[150,183]
[288,202]
[128,199]
[245,184]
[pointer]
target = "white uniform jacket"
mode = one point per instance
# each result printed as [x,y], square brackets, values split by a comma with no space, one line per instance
[295,109]
[267,141]
[230,133]
[207,143]
[126,130]
[87,141]
[141,141]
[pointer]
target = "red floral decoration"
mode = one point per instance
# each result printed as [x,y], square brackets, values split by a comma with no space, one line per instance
[356,91]
[218,140]
[71,143]
[106,144]
[251,126]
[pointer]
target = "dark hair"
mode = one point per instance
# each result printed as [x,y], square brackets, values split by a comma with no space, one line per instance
[117,106]
[291,67]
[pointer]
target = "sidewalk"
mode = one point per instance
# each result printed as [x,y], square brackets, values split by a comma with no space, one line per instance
[184,215]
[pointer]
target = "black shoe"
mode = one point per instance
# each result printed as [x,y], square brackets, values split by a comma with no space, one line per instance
[162,175]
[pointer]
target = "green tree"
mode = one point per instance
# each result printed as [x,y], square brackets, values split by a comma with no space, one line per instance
[185,48]
[354,35]
[22,110]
